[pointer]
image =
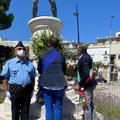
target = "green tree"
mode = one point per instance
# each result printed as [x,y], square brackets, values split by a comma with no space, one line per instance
[6,53]
[70,54]
[5,19]
[40,42]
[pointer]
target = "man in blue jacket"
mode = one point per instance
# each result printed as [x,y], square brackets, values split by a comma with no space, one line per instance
[52,67]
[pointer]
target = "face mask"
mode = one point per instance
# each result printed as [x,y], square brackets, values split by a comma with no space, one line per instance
[21,53]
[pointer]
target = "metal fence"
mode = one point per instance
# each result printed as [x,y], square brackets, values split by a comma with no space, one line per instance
[107,100]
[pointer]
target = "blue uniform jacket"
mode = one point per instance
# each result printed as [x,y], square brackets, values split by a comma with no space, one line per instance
[19,72]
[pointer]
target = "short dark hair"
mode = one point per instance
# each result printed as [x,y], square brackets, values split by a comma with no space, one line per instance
[82,48]
[54,42]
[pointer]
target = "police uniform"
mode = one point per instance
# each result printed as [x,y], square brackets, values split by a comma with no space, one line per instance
[19,72]
[19,75]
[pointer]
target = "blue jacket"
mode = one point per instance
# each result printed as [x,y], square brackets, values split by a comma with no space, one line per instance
[54,75]
[19,72]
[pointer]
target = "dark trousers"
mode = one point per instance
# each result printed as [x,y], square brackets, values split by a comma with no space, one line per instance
[20,101]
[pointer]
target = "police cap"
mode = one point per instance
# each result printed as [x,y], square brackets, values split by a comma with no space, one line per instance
[20,44]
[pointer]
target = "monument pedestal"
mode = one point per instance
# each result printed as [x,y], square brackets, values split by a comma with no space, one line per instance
[38,25]
[72,110]
[42,23]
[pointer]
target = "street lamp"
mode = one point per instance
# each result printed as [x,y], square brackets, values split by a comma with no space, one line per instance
[111,24]
[77,14]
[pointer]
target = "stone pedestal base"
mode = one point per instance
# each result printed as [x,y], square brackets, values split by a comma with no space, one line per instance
[42,23]
[38,25]
[37,110]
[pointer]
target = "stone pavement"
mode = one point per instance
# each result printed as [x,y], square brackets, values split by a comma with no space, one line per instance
[71,107]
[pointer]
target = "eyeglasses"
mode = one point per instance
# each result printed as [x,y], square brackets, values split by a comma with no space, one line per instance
[21,49]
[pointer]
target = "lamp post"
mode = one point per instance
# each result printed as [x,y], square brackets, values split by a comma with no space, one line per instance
[77,14]
[111,24]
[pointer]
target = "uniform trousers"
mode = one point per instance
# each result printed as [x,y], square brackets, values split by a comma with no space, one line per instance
[20,101]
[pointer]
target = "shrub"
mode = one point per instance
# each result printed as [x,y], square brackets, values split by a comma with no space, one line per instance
[2,96]
[108,105]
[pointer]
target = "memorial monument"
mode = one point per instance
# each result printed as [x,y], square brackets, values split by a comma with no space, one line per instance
[44,23]
[37,25]
[71,107]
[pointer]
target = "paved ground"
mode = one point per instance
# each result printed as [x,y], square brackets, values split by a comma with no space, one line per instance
[113,89]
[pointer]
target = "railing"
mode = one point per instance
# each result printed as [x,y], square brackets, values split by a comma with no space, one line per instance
[107,100]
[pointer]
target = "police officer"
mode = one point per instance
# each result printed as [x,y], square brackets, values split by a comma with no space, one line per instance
[18,83]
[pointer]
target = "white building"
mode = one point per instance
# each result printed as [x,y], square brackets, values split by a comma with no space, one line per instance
[103,51]
[99,53]
[11,43]
[107,53]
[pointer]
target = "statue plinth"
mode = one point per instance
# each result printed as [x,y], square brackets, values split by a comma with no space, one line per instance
[42,23]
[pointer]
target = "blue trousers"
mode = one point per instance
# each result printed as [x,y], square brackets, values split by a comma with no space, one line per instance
[53,100]
[89,111]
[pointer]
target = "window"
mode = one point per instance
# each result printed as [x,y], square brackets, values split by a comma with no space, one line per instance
[105,58]
[118,57]
[105,52]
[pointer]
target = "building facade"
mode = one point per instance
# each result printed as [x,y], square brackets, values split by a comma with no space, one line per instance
[107,51]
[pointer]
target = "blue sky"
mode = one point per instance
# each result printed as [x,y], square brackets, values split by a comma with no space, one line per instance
[94,18]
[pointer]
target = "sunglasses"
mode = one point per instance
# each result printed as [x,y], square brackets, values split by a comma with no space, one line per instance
[21,49]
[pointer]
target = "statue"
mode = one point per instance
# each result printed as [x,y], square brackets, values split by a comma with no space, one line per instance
[35,8]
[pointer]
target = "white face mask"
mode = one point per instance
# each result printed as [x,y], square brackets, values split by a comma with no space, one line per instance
[21,53]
